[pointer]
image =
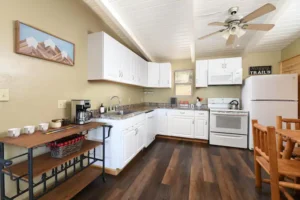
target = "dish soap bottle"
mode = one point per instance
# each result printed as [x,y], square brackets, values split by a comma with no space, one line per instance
[102,109]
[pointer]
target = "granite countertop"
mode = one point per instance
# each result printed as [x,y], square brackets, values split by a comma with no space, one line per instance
[144,109]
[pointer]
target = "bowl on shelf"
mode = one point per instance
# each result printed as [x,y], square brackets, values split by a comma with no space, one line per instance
[28,130]
[14,132]
[56,123]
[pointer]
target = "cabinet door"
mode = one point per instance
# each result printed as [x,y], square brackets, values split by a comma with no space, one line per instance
[181,126]
[201,128]
[140,131]
[165,75]
[216,65]
[201,73]
[233,64]
[162,122]
[111,64]
[126,66]
[144,73]
[130,145]
[153,74]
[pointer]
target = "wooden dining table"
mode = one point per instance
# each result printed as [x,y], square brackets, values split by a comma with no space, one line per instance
[292,137]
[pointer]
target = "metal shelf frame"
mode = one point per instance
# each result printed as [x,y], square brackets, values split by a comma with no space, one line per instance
[4,163]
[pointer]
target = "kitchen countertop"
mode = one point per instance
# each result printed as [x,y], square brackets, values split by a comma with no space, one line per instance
[145,109]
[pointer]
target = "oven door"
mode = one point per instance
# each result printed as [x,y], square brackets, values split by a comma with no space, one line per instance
[229,122]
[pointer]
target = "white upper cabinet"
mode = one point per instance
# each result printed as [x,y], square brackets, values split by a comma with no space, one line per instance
[165,75]
[153,74]
[110,60]
[159,75]
[225,71]
[201,73]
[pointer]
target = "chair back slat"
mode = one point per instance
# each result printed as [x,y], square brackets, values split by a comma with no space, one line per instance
[288,126]
[297,126]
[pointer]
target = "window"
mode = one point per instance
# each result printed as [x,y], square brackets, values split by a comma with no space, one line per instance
[183,82]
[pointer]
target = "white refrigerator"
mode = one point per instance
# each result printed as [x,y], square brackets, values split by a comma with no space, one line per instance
[268,96]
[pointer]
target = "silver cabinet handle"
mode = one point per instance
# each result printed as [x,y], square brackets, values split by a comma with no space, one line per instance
[193,121]
[182,112]
[205,122]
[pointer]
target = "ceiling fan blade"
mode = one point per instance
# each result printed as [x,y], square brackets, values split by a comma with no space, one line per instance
[259,12]
[230,40]
[259,27]
[219,31]
[217,24]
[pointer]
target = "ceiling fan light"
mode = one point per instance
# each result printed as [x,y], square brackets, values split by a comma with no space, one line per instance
[240,32]
[226,34]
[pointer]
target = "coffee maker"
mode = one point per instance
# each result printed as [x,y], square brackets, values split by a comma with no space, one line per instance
[79,111]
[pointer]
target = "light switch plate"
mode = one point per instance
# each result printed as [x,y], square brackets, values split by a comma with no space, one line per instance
[62,104]
[4,94]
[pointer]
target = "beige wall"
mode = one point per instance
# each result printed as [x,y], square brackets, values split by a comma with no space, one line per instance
[291,50]
[36,85]
[250,59]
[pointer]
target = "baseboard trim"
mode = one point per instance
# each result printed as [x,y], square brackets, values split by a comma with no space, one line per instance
[182,139]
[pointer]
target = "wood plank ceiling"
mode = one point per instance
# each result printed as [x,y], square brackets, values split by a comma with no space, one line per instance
[164,30]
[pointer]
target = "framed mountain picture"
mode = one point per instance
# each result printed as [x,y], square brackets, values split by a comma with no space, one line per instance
[36,43]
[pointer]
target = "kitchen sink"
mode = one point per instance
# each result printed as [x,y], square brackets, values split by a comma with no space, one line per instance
[126,112]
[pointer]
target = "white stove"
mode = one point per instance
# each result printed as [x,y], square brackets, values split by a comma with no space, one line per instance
[228,127]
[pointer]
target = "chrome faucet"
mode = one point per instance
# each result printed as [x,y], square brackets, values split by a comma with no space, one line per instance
[116,106]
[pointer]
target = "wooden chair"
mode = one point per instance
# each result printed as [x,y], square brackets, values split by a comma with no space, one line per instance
[265,156]
[280,122]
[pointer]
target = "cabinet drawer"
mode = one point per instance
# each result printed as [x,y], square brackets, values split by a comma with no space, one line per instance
[201,113]
[182,112]
[230,140]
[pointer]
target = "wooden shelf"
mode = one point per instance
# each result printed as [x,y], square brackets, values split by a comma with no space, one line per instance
[74,185]
[40,138]
[45,162]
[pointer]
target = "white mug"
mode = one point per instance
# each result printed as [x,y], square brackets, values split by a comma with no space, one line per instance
[43,126]
[28,129]
[14,132]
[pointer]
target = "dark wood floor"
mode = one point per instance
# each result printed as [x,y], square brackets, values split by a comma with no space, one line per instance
[182,170]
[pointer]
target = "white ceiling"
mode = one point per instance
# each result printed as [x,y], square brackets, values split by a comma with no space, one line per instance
[165,30]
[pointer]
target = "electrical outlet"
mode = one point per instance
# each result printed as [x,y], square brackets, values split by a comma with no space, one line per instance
[62,104]
[4,94]
[129,100]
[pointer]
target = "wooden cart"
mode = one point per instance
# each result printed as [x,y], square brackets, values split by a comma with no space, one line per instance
[79,163]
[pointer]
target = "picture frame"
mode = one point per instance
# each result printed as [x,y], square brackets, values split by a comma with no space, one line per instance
[34,42]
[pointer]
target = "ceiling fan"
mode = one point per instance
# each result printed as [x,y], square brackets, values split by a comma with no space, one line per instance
[236,25]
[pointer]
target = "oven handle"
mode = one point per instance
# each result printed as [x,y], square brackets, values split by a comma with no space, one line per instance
[229,114]
[228,136]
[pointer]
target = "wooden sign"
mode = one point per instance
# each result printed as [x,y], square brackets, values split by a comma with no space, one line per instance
[260,70]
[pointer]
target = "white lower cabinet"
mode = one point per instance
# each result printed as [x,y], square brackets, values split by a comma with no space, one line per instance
[141,133]
[181,126]
[201,128]
[129,136]
[162,122]
[130,145]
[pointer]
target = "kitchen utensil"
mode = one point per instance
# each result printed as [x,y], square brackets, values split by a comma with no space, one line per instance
[59,130]
[56,124]
[28,129]
[14,132]
[234,104]
[43,126]
[65,122]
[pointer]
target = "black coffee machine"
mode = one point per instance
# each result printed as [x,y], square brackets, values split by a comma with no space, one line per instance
[79,111]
